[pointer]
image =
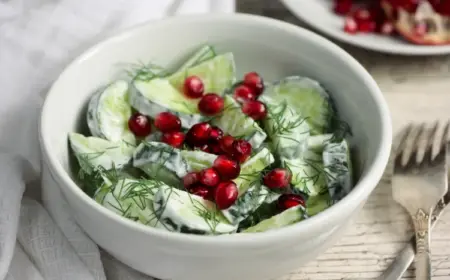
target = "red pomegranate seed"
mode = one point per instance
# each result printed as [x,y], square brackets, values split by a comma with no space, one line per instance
[214,148]
[209,177]
[286,201]
[243,94]
[140,125]
[350,26]
[242,150]
[193,87]
[226,144]
[211,104]
[205,148]
[198,134]
[361,15]
[216,134]
[174,138]
[190,179]
[367,26]
[443,8]
[255,82]
[202,191]
[387,28]
[255,109]
[278,178]
[227,168]
[409,5]
[225,194]
[167,122]
[342,7]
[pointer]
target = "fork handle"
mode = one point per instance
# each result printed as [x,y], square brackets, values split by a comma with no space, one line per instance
[422,223]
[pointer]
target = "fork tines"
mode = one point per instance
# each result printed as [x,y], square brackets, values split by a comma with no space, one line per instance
[418,144]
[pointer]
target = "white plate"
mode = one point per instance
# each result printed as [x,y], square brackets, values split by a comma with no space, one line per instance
[318,14]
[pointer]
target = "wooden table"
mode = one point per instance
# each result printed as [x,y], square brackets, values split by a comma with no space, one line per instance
[416,88]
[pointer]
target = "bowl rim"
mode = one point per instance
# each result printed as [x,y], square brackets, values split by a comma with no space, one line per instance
[356,196]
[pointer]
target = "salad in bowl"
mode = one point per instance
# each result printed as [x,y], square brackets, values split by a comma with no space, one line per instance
[199,150]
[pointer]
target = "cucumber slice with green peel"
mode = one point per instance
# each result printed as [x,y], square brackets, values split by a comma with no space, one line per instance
[217,74]
[246,204]
[203,54]
[318,203]
[146,72]
[251,170]
[308,173]
[130,198]
[108,113]
[235,123]
[317,143]
[287,130]
[338,165]
[285,218]
[198,160]
[180,211]
[165,163]
[158,95]
[308,98]
[93,152]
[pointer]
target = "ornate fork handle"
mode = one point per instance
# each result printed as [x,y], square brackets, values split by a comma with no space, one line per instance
[422,226]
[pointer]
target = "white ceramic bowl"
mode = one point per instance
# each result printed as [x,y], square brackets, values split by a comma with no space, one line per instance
[273,48]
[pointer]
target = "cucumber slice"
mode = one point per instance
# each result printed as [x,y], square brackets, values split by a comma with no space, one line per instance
[317,143]
[287,130]
[217,74]
[285,218]
[246,204]
[198,160]
[338,165]
[180,211]
[203,54]
[93,152]
[251,170]
[165,163]
[158,95]
[234,122]
[108,113]
[308,98]
[130,198]
[308,173]
[318,203]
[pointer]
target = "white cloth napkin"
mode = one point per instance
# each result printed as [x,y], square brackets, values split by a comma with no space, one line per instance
[37,39]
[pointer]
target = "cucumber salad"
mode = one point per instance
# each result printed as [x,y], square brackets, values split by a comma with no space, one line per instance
[199,150]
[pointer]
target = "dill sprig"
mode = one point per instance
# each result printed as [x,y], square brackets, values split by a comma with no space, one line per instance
[280,126]
[145,71]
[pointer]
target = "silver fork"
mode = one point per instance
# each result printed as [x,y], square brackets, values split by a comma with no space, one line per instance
[420,182]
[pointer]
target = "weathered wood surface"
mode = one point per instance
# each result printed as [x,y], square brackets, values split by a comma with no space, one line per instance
[417,89]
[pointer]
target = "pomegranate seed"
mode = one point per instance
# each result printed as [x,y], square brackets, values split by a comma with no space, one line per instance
[204,148]
[198,134]
[140,125]
[202,191]
[243,94]
[174,138]
[361,15]
[209,177]
[255,82]
[367,26]
[255,109]
[420,28]
[216,134]
[167,122]
[227,168]
[289,200]
[211,104]
[226,144]
[343,7]
[241,150]
[350,26]
[387,28]
[443,8]
[409,5]
[226,194]
[278,178]
[190,179]
[193,87]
